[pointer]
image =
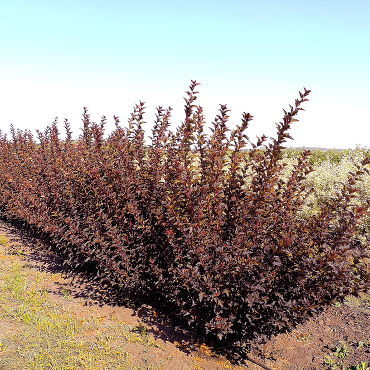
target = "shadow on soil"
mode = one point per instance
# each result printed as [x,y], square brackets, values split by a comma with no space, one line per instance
[305,347]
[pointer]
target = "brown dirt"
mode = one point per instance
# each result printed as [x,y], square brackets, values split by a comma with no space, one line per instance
[302,348]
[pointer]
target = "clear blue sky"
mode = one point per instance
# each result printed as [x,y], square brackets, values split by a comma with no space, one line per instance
[58,56]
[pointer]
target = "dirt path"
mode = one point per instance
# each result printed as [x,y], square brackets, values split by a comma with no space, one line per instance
[337,328]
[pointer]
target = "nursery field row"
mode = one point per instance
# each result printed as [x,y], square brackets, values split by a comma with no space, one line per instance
[237,244]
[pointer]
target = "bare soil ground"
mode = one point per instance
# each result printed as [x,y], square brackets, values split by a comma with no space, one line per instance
[341,329]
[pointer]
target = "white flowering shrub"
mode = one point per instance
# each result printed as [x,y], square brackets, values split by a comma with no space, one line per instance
[331,171]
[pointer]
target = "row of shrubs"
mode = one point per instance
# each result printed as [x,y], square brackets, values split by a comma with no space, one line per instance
[218,240]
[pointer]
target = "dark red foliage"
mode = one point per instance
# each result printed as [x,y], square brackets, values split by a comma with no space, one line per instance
[231,257]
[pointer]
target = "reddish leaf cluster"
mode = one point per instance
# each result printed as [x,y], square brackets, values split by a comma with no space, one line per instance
[232,258]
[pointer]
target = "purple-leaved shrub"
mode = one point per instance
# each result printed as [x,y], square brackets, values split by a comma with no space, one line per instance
[178,223]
